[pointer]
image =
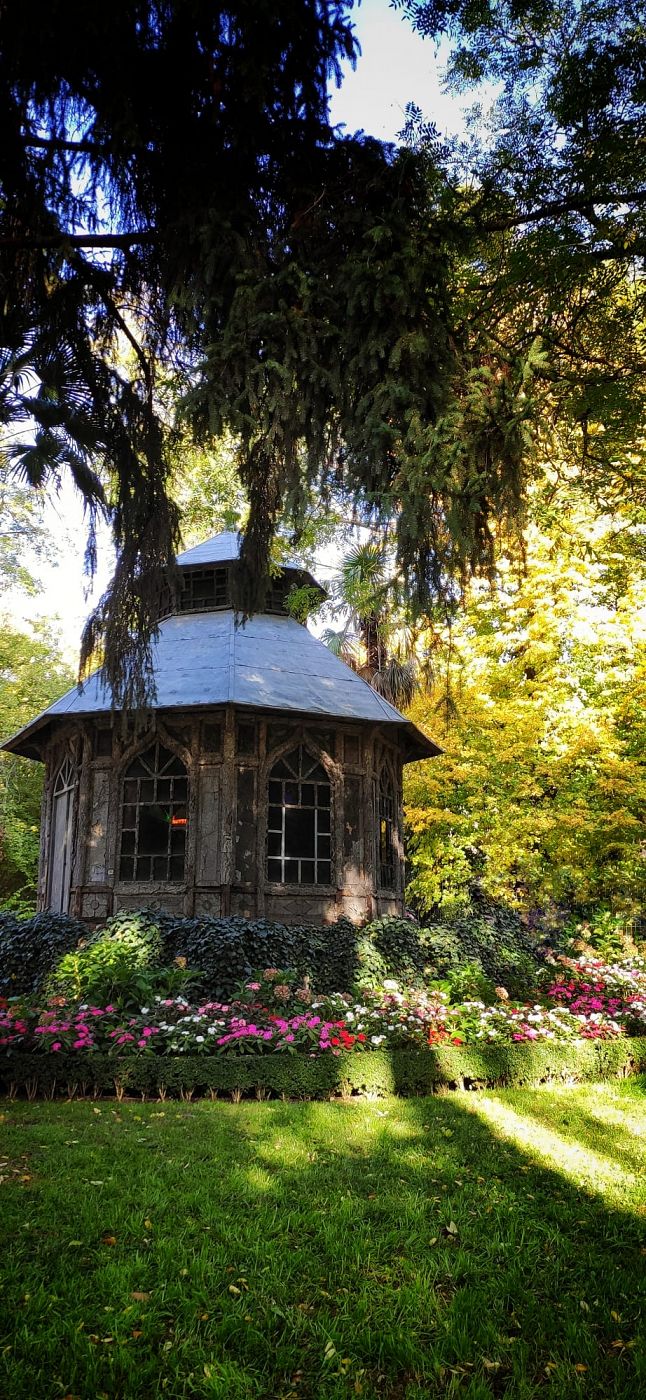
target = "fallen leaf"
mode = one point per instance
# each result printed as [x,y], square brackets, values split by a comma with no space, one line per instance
[148,1225]
[140,1297]
[580,1367]
[136,1333]
[108,1239]
[235,1292]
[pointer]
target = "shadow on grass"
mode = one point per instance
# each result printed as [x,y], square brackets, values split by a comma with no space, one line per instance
[400,1249]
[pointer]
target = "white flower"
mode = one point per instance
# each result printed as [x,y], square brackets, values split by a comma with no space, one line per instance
[199,1040]
[144,1010]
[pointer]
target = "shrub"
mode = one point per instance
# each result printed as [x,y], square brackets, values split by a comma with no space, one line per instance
[30,948]
[120,962]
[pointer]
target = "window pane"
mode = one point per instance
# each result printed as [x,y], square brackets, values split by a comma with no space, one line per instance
[274,870]
[323,818]
[323,846]
[160,868]
[323,794]
[180,789]
[307,794]
[275,818]
[130,790]
[130,816]
[275,792]
[273,843]
[177,868]
[291,795]
[299,832]
[307,872]
[280,770]
[143,868]
[147,790]
[153,831]
[291,872]
[126,868]
[163,789]
[323,873]
[178,840]
[128,843]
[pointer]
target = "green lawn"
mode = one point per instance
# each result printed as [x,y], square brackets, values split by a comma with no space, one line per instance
[467,1245]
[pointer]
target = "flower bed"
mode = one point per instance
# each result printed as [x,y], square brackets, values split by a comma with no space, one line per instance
[583,1000]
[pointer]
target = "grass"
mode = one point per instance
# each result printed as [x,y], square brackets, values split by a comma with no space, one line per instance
[472,1245]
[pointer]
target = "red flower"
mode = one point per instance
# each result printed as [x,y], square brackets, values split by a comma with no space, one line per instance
[455,1040]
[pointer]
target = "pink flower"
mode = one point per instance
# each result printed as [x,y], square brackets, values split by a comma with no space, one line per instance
[56,1045]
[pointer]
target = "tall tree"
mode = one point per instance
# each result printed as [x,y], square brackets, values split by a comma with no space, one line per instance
[541,792]
[170,185]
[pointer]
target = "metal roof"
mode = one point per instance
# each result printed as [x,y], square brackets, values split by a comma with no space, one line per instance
[220,549]
[267,663]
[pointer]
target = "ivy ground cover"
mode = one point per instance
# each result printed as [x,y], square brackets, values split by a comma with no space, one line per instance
[482,1246]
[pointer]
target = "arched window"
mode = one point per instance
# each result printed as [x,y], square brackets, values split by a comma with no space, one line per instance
[387,831]
[299,822]
[154,817]
[61,838]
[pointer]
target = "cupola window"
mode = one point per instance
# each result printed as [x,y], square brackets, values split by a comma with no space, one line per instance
[299,821]
[154,817]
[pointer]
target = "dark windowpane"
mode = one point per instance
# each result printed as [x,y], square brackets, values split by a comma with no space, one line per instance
[324,846]
[246,738]
[274,870]
[163,789]
[129,816]
[307,794]
[103,743]
[323,794]
[143,868]
[323,818]
[130,790]
[275,818]
[147,790]
[128,843]
[138,769]
[307,872]
[177,868]
[299,832]
[177,840]
[170,765]
[273,843]
[280,770]
[323,873]
[180,789]
[291,795]
[213,737]
[159,868]
[153,831]
[126,868]
[275,792]
[291,872]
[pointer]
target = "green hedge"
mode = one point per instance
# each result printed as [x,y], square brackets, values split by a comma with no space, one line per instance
[402,1072]
[225,951]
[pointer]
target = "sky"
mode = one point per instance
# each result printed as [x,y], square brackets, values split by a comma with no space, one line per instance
[395,67]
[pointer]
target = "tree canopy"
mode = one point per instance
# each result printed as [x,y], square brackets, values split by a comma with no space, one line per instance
[188,251]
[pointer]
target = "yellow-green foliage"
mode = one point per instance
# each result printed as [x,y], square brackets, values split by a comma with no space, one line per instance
[541,791]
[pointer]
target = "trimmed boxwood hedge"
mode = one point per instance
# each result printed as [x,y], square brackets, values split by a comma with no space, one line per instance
[376,1073]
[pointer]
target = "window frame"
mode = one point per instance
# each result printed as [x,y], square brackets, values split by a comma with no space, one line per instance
[303,769]
[387,829]
[175,799]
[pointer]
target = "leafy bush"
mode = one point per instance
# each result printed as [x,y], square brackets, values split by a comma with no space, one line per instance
[121,963]
[30,948]
[145,946]
[493,938]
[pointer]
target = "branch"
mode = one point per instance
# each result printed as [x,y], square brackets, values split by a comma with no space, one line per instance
[575,205]
[55,143]
[79,240]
